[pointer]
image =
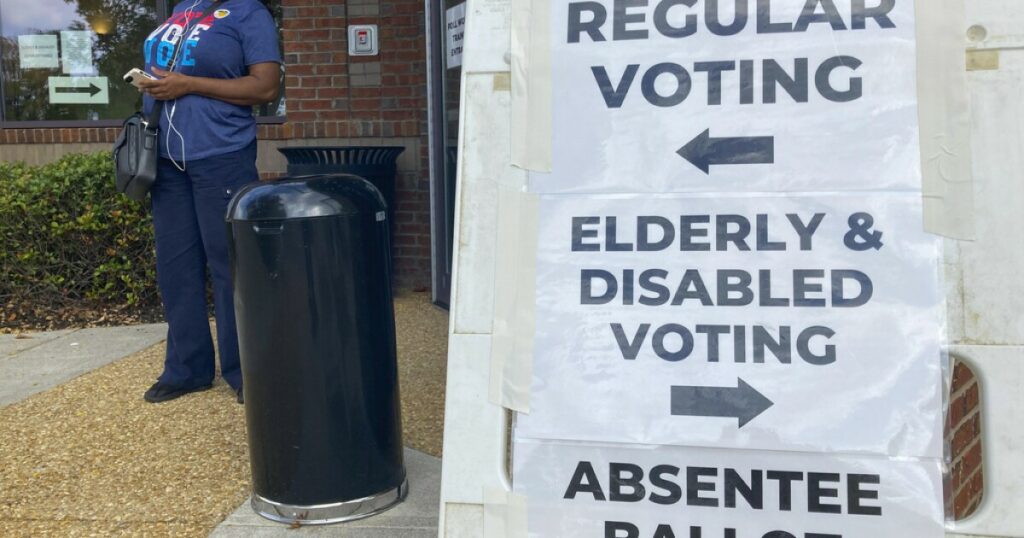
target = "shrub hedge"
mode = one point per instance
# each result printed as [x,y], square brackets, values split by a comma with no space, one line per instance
[70,240]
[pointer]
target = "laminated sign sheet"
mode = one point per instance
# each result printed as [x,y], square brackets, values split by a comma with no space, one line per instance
[739,316]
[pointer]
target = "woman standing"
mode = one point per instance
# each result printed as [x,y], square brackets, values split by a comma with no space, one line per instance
[228,62]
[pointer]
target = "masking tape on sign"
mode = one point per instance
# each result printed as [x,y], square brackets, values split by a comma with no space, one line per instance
[945,119]
[514,291]
[531,85]
[504,514]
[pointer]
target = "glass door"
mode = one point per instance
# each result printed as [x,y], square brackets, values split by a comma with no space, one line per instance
[447,20]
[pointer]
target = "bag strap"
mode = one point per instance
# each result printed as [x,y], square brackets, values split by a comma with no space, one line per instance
[153,120]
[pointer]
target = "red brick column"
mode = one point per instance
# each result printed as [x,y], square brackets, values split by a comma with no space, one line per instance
[964,433]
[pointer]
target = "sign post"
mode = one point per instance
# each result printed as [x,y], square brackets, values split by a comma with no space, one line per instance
[739,314]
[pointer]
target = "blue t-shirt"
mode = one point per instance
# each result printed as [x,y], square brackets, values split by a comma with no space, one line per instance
[239,33]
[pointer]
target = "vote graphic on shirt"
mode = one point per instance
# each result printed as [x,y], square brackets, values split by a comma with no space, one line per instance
[167,36]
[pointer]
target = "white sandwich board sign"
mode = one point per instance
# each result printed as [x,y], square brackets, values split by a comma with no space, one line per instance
[733,277]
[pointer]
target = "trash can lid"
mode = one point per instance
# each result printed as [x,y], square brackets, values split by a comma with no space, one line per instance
[306,197]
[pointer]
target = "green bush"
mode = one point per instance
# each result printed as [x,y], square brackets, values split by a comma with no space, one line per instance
[70,240]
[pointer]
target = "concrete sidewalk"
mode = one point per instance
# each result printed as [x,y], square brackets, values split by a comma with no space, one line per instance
[414,518]
[34,362]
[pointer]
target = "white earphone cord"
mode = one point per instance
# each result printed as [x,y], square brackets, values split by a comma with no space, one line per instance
[174,103]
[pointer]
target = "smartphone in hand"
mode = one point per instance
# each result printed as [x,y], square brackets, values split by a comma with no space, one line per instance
[135,75]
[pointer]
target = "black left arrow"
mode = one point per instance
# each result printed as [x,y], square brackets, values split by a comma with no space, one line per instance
[704,151]
[743,402]
[92,90]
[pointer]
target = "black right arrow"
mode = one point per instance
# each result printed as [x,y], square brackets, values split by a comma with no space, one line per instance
[704,151]
[92,90]
[743,402]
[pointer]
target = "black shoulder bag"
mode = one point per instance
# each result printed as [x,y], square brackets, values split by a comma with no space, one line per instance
[136,149]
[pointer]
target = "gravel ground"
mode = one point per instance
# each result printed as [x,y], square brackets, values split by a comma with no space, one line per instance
[422,331]
[91,458]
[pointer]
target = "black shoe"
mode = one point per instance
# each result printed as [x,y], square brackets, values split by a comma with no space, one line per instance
[162,392]
[241,399]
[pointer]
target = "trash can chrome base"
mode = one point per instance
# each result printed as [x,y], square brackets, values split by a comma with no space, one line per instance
[323,514]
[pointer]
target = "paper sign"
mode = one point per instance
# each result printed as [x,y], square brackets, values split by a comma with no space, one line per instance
[79,90]
[806,323]
[37,51]
[76,52]
[739,316]
[783,96]
[609,491]
[455,33]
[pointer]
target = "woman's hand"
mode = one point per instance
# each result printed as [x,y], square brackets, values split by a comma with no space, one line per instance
[260,86]
[169,86]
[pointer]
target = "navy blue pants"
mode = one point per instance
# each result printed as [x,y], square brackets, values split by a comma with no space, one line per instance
[189,209]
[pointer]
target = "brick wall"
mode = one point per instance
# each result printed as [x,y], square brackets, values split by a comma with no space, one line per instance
[963,432]
[379,97]
[332,99]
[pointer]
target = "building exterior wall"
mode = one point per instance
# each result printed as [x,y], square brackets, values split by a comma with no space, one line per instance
[332,99]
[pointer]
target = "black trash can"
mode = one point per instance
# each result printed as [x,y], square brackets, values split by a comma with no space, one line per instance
[317,339]
[377,164]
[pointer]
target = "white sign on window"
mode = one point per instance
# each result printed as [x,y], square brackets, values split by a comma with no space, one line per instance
[79,90]
[455,32]
[76,52]
[37,52]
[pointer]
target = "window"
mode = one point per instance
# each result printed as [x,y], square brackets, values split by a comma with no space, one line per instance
[277,108]
[62,60]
